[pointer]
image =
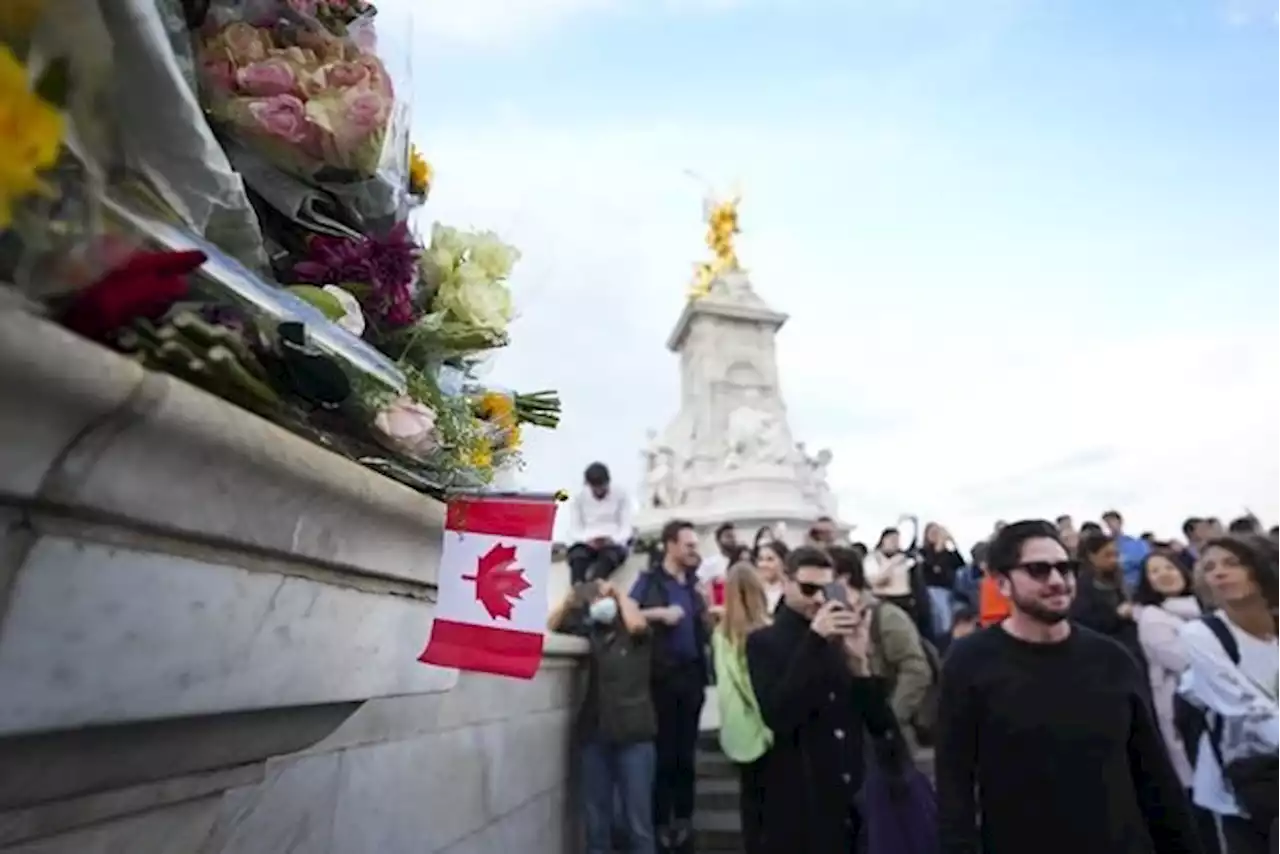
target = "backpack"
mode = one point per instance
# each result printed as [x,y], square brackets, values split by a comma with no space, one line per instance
[1252,780]
[1191,721]
[925,718]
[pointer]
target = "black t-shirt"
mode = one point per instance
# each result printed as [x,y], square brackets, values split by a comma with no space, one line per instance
[940,567]
[1053,749]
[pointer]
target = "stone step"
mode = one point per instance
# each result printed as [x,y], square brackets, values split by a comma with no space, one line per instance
[717,793]
[717,830]
[714,764]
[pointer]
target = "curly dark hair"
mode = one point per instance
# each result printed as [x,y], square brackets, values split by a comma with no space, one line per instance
[1258,555]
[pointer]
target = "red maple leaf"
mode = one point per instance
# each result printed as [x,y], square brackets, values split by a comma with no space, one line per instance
[497,584]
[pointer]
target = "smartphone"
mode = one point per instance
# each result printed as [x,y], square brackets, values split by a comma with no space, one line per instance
[836,592]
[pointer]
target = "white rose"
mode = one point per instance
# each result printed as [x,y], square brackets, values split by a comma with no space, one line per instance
[475,298]
[447,246]
[407,426]
[492,255]
[352,318]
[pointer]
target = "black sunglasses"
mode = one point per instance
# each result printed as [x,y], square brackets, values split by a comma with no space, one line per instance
[1040,570]
[809,589]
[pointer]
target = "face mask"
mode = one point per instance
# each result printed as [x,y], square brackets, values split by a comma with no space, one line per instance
[603,610]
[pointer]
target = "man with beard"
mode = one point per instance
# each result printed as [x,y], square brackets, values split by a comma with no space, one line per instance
[1045,742]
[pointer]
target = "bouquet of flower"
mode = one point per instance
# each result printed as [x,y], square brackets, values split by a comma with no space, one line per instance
[466,304]
[312,102]
[380,272]
[336,15]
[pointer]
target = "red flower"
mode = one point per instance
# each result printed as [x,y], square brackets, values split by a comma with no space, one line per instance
[145,286]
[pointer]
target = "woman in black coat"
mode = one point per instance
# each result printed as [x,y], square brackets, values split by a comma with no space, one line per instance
[1101,602]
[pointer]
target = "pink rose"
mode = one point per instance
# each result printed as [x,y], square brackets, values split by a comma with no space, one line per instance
[267,78]
[407,426]
[281,116]
[377,73]
[365,113]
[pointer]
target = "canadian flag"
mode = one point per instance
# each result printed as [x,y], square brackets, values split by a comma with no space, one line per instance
[492,609]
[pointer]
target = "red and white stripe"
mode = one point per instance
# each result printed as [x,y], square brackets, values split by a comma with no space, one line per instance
[464,634]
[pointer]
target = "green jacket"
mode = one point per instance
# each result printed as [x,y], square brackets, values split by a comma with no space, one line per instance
[743,735]
[898,656]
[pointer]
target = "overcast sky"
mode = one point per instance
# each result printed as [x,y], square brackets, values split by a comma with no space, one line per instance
[1029,248]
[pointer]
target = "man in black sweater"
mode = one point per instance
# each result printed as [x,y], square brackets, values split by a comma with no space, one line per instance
[1046,743]
[811,673]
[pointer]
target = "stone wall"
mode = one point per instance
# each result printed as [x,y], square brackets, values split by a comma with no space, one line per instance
[208,634]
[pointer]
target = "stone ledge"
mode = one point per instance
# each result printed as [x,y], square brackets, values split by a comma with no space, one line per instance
[564,646]
[86,430]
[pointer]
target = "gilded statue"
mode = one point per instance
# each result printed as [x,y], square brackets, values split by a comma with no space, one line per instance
[722,225]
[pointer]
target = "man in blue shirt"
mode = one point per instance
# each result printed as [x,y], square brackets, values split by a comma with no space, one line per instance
[1133,551]
[668,596]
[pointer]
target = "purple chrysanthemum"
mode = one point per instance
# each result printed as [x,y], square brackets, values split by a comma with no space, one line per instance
[388,265]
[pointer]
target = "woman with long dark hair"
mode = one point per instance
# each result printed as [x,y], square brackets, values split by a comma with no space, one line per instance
[1101,602]
[1233,675]
[893,576]
[940,563]
[1164,602]
[770,559]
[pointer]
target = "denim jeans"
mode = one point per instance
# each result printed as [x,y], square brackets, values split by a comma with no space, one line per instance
[940,613]
[627,770]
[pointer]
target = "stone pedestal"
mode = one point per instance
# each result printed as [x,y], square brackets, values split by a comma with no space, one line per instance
[729,454]
[208,639]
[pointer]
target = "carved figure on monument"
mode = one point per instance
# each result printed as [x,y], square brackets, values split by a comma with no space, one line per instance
[754,436]
[661,484]
[813,479]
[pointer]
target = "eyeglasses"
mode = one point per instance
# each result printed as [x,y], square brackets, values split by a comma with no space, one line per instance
[809,589]
[1040,570]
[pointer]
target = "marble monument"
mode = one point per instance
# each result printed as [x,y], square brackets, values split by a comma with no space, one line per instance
[729,454]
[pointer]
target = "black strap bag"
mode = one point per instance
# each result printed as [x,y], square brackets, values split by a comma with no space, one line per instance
[1252,780]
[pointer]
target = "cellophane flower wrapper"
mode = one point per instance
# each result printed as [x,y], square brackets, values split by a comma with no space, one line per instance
[162,133]
[48,243]
[307,91]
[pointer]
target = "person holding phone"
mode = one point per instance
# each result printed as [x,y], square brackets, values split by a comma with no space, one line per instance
[811,672]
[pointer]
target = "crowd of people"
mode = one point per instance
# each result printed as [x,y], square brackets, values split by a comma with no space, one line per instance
[1083,690]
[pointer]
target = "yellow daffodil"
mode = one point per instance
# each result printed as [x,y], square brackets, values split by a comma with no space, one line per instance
[419,173]
[30,136]
[498,408]
[481,456]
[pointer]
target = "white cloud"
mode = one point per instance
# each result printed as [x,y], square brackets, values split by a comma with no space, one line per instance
[1241,13]
[943,401]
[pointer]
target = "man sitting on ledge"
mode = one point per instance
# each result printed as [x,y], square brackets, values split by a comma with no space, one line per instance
[599,527]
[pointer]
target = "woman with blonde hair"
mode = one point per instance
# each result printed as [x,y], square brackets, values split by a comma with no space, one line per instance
[744,738]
